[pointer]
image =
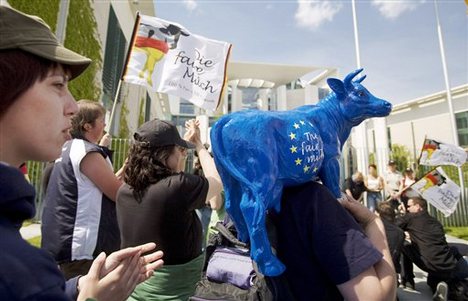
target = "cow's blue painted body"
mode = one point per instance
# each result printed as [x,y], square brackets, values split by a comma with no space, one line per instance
[257,153]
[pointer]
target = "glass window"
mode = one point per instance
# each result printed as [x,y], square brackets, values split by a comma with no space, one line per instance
[186,107]
[462,128]
[322,93]
[249,98]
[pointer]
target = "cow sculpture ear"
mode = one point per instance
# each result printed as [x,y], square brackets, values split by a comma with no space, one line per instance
[338,87]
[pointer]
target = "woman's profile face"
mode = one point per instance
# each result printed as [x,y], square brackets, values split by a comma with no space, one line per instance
[37,124]
[175,159]
[97,129]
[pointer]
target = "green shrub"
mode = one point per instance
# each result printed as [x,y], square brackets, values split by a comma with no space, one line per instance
[46,9]
[460,232]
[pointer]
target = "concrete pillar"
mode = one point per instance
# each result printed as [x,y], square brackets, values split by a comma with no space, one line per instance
[281,98]
[310,95]
[236,99]
[381,142]
[262,100]
[360,143]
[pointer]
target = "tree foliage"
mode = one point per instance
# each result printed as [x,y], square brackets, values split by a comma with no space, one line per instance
[401,155]
[124,132]
[45,9]
[82,37]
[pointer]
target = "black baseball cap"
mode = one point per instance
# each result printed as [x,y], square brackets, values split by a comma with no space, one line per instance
[31,34]
[160,133]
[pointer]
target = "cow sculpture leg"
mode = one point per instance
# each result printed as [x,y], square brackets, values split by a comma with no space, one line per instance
[233,208]
[330,175]
[254,212]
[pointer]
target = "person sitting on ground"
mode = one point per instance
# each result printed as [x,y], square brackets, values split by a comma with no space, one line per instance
[428,248]
[327,254]
[355,187]
[158,203]
[35,116]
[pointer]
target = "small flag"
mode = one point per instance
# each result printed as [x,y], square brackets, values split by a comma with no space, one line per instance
[437,189]
[435,153]
[167,58]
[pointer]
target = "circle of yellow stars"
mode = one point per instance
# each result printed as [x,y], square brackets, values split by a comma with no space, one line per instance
[293,148]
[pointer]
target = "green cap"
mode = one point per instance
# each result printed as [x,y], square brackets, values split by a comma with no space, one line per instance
[33,35]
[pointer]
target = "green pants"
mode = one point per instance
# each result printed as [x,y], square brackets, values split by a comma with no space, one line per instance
[171,282]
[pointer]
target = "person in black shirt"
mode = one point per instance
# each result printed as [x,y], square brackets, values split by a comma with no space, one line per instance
[428,248]
[395,235]
[355,187]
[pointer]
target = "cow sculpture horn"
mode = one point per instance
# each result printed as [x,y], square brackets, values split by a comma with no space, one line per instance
[348,80]
[359,80]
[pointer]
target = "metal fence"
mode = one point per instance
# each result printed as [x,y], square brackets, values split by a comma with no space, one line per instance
[120,149]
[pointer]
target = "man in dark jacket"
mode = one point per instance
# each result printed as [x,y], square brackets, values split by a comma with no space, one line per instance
[428,248]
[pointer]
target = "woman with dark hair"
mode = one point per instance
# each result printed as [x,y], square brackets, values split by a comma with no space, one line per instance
[35,117]
[158,203]
[79,220]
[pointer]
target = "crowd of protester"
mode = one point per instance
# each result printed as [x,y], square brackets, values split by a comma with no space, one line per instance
[90,212]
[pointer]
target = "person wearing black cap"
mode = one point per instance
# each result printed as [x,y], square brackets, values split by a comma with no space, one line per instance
[35,117]
[158,203]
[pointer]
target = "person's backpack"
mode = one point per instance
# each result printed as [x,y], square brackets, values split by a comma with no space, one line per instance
[230,274]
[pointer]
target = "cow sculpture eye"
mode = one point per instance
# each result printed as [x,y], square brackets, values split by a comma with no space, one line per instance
[361,94]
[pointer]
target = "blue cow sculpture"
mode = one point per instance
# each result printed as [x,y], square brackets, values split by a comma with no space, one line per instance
[257,153]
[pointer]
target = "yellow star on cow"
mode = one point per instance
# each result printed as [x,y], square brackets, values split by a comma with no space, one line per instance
[292,136]
[298,161]
[293,149]
[301,122]
[296,126]
[315,169]
[306,168]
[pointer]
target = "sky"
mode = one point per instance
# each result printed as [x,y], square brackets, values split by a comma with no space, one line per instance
[398,40]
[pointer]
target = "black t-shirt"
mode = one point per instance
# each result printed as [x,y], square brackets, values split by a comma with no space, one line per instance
[356,188]
[320,243]
[166,216]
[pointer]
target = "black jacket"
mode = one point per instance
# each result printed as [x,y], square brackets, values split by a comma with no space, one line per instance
[26,273]
[427,233]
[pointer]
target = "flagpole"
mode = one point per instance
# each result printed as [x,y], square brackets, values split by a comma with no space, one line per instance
[449,95]
[362,128]
[420,155]
[124,70]
[356,36]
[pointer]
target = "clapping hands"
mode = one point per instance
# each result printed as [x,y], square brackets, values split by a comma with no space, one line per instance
[115,277]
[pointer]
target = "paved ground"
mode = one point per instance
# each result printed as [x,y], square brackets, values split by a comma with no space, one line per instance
[422,292]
